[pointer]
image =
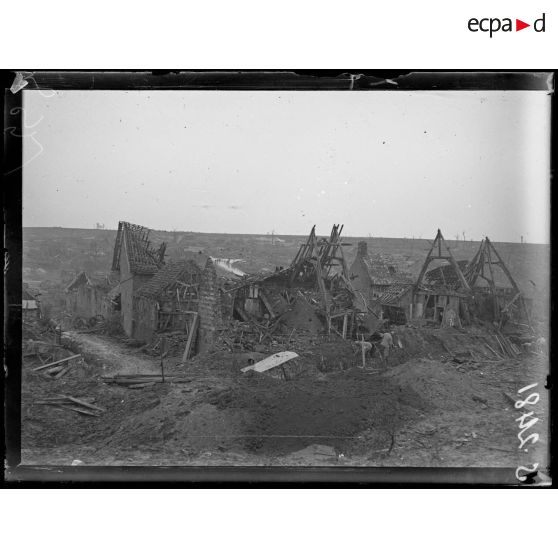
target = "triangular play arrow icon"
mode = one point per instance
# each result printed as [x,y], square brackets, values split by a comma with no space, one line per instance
[519,25]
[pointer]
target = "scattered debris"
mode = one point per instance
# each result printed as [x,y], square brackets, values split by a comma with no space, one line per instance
[143,379]
[55,363]
[222,338]
[280,360]
[68,402]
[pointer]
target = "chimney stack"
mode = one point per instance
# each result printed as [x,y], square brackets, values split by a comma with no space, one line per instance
[362,249]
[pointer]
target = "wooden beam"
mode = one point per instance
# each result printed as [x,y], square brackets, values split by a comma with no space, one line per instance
[502,265]
[191,337]
[426,262]
[267,304]
[56,362]
[457,268]
[242,313]
[84,403]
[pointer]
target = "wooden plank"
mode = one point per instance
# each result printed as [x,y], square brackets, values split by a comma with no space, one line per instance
[134,377]
[191,337]
[62,373]
[64,405]
[345,321]
[54,363]
[242,313]
[271,362]
[501,346]
[508,345]
[126,381]
[140,386]
[84,403]
[79,410]
[55,370]
[267,304]
[492,350]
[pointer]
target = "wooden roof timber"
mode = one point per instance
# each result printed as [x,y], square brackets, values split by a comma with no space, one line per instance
[440,243]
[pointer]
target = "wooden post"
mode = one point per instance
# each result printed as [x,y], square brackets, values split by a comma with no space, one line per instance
[426,261]
[191,337]
[345,320]
[163,346]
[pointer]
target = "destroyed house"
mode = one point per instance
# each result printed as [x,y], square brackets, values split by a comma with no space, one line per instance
[442,294]
[30,306]
[136,262]
[168,301]
[86,296]
[312,294]
[380,282]
[497,296]
[311,297]
[396,303]
[260,296]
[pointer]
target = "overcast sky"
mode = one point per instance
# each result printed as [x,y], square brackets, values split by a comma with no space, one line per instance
[389,164]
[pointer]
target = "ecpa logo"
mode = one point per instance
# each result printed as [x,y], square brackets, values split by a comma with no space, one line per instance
[492,25]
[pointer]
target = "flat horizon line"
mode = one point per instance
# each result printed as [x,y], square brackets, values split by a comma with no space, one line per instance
[267,234]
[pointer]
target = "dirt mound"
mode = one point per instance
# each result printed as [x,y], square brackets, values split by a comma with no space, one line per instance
[174,423]
[281,417]
[438,384]
[266,416]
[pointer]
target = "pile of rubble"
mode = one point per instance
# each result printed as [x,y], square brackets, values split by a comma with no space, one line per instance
[167,345]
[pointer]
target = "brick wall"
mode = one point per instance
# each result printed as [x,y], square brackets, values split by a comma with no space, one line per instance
[209,307]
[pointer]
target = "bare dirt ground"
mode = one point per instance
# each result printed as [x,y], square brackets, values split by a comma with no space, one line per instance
[422,412]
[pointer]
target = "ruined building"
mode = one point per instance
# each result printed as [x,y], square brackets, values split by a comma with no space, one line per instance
[87,297]
[30,305]
[497,296]
[442,294]
[313,294]
[456,292]
[386,289]
[168,301]
[135,262]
